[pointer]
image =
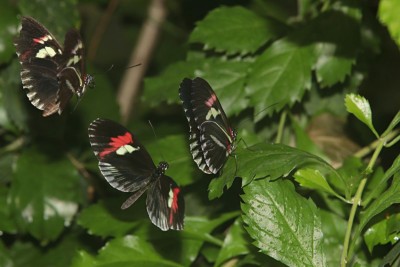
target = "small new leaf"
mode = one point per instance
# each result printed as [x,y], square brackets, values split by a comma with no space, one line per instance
[359,107]
[284,225]
[314,179]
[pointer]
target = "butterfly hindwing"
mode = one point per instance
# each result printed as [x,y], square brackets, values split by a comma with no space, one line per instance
[211,137]
[165,204]
[123,161]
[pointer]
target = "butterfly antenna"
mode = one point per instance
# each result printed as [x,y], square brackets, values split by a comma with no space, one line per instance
[155,135]
[110,68]
[134,66]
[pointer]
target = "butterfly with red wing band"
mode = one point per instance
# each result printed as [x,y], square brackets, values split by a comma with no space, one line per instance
[128,167]
[50,74]
[211,136]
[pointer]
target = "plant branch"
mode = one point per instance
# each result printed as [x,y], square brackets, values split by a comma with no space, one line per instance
[100,29]
[282,122]
[369,148]
[142,53]
[357,201]
[15,145]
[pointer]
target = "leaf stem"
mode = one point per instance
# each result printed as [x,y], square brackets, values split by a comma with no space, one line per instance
[281,126]
[366,150]
[357,201]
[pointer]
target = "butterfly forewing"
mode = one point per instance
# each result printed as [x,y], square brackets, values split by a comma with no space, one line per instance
[211,137]
[123,161]
[50,86]
[165,204]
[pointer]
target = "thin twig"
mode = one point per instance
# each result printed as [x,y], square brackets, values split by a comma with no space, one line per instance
[142,53]
[82,170]
[100,29]
[79,166]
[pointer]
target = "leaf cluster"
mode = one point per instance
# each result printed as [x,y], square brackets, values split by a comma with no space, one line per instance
[314,179]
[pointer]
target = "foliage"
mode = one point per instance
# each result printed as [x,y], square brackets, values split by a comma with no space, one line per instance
[315,177]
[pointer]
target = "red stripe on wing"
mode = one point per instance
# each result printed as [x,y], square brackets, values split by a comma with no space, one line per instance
[117,142]
[174,205]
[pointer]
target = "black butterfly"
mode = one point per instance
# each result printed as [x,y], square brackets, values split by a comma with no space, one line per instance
[211,137]
[51,74]
[127,166]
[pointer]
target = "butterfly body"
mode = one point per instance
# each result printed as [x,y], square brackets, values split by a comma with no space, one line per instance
[211,136]
[50,74]
[127,166]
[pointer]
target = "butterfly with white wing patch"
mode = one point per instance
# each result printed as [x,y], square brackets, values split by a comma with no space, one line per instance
[211,137]
[51,74]
[127,166]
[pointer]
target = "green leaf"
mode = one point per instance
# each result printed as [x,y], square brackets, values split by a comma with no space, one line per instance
[44,195]
[83,259]
[283,224]
[280,76]
[5,258]
[334,228]
[262,160]
[164,87]
[304,142]
[58,254]
[388,15]
[197,231]
[8,24]
[235,243]
[226,77]
[379,233]
[7,223]
[100,220]
[337,48]
[391,257]
[130,251]
[377,189]
[359,107]
[385,200]
[314,179]
[12,96]
[47,12]
[210,252]
[351,170]
[328,100]
[234,30]
[174,149]
[103,95]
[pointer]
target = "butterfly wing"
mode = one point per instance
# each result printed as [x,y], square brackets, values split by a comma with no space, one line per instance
[165,204]
[40,56]
[123,161]
[211,136]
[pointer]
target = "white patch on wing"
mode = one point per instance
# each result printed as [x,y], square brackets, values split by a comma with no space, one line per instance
[170,198]
[72,61]
[126,149]
[46,51]
[212,113]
